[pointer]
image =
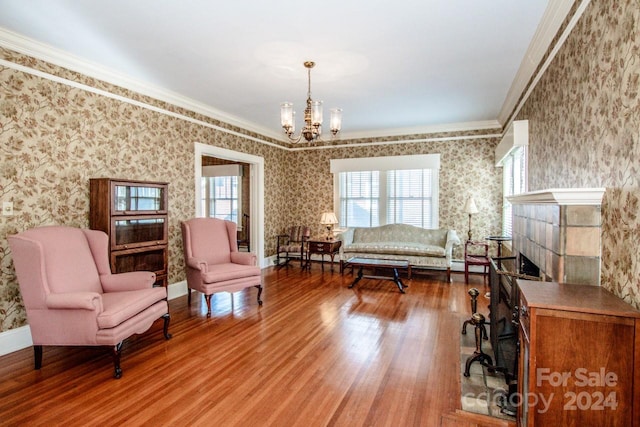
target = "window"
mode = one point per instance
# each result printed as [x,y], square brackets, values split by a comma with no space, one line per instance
[221,197]
[387,190]
[514,182]
[221,191]
[359,199]
[511,155]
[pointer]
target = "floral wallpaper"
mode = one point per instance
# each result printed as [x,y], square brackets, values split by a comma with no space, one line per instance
[584,125]
[466,168]
[54,137]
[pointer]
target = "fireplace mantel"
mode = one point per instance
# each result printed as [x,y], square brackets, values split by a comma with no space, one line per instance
[560,196]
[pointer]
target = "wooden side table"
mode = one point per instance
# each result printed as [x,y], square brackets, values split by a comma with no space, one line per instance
[323,247]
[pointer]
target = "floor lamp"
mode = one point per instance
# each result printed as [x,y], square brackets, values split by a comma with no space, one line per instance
[470,208]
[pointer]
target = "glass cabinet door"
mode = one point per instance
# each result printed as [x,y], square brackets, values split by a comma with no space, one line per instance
[138,198]
[135,231]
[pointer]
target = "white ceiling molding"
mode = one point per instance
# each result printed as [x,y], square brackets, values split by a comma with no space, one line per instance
[50,54]
[560,196]
[449,127]
[553,17]
[399,141]
[47,53]
[121,98]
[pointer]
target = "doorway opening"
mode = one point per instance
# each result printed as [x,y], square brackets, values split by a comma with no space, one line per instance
[249,174]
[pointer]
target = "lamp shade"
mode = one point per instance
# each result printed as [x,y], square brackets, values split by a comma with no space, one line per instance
[328,218]
[286,114]
[335,121]
[470,207]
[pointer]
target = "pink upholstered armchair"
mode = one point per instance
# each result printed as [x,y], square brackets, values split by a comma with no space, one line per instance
[212,261]
[71,296]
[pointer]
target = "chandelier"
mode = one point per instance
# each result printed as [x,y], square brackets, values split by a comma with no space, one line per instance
[312,116]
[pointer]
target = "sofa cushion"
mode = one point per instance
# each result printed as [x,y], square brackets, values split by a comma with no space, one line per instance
[397,248]
[401,233]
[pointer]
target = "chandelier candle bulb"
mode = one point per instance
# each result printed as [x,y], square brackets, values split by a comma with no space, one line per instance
[286,115]
[335,120]
[316,113]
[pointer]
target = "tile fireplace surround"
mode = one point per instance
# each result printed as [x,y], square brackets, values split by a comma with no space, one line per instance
[559,230]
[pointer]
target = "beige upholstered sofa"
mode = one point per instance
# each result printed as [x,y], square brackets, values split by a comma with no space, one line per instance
[423,248]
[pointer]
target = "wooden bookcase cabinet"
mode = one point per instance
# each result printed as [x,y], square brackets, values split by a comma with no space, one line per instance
[135,216]
[579,357]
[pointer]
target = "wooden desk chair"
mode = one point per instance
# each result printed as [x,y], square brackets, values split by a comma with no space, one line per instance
[476,253]
[244,235]
[293,245]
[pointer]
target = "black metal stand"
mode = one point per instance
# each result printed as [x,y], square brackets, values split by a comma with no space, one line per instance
[478,355]
[473,292]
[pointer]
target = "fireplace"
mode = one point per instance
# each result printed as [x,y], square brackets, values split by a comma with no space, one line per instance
[503,273]
[556,237]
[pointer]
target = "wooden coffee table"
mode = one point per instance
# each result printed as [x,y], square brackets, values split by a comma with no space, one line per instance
[375,263]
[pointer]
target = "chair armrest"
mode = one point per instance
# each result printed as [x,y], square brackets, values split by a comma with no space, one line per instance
[243,258]
[75,300]
[346,236]
[130,281]
[452,239]
[284,238]
[198,264]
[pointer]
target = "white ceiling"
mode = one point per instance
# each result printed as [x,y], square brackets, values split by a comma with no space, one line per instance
[392,66]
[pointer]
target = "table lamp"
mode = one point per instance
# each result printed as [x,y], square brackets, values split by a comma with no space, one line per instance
[470,208]
[329,219]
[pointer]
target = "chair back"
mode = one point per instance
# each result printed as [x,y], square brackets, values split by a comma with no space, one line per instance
[53,259]
[298,233]
[476,249]
[209,239]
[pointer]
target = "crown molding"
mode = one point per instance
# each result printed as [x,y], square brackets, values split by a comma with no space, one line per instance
[554,15]
[420,130]
[560,196]
[47,53]
[27,46]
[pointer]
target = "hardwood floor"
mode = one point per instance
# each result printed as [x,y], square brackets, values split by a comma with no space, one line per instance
[316,354]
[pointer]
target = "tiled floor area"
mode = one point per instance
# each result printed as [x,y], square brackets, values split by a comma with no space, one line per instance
[482,390]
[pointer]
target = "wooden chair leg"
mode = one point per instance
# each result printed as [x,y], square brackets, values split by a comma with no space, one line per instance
[165,328]
[207,298]
[37,356]
[259,293]
[116,352]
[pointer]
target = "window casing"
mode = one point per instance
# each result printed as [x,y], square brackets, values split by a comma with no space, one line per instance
[387,190]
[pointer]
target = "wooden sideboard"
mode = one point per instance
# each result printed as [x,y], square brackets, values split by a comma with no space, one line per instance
[579,357]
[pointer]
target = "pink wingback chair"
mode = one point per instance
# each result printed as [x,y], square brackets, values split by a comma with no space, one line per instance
[71,296]
[212,261]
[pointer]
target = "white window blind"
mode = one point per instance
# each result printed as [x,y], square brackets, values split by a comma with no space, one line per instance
[514,182]
[359,199]
[410,197]
[221,197]
[386,190]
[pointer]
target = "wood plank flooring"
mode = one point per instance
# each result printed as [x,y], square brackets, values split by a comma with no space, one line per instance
[315,354]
